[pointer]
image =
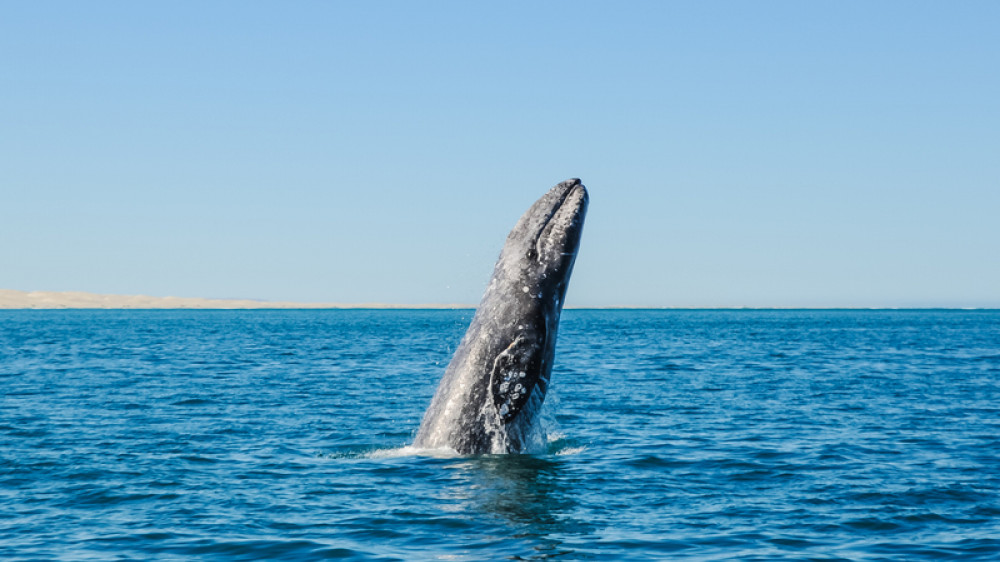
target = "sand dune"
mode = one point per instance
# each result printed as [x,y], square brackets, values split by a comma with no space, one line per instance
[11,299]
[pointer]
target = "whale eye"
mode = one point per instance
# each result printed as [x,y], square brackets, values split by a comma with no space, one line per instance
[532,254]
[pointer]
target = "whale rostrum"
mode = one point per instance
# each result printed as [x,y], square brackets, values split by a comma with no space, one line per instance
[490,396]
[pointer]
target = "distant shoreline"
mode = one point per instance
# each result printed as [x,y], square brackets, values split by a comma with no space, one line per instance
[75,300]
[57,300]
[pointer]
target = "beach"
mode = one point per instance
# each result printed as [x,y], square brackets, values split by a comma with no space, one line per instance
[14,299]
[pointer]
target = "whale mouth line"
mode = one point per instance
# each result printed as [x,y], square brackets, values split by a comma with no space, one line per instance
[551,214]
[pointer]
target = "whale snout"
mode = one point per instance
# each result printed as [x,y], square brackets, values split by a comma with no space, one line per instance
[576,201]
[560,237]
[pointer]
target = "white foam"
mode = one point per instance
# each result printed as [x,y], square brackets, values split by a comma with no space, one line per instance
[411,451]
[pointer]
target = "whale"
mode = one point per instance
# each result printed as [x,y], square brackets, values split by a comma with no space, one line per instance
[489,398]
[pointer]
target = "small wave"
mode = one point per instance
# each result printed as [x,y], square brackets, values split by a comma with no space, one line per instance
[192,402]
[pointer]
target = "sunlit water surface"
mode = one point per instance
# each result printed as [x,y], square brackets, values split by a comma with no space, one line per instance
[704,435]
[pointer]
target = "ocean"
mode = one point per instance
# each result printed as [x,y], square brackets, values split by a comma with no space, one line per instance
[672,435]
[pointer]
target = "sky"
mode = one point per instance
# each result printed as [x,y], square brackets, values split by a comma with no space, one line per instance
[788,154]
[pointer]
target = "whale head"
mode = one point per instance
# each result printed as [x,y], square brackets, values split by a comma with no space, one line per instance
[538,257]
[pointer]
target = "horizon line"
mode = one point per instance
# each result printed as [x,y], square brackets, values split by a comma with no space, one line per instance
[12,299]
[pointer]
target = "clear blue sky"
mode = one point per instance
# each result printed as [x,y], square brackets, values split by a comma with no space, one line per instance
[737,153]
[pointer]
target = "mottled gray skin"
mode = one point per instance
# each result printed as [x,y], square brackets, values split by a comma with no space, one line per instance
[493,389]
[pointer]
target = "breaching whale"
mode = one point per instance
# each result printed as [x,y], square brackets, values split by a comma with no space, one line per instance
[492,391]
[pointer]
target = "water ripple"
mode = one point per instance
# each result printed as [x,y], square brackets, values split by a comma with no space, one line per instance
[703,435]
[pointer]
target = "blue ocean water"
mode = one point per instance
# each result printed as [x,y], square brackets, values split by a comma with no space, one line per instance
[673,435]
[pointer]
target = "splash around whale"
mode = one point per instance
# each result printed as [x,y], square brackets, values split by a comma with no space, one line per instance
[490,396]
